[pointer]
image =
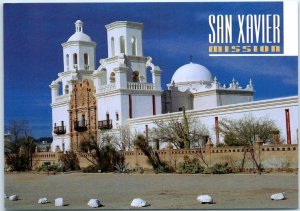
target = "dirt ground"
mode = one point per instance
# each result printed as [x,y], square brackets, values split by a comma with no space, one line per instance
[161,191]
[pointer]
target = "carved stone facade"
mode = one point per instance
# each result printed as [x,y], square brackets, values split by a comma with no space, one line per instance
[83,113]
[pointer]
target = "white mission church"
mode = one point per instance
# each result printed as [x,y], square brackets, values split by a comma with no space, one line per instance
[87,99]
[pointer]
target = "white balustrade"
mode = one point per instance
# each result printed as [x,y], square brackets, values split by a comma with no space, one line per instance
[140,86]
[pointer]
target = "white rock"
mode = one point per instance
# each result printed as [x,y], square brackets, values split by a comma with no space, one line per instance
[14,197]
[59,202]
[94,203]
[43,201]
[205,199]
[279,196]
[138,203]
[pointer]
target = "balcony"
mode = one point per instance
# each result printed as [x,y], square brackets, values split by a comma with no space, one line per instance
[59,130]
[105,124]
[80,126]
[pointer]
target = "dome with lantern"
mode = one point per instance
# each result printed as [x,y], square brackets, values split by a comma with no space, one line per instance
[79,35]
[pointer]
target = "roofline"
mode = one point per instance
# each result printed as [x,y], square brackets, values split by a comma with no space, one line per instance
[226,109]
[128,24]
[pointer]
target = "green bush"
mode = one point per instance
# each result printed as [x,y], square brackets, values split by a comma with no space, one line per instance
[121,168]
[190,166]
[218,168]
[45,167]
[164,168]
[109,157]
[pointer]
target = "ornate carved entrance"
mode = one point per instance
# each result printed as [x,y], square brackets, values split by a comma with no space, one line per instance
[83,113]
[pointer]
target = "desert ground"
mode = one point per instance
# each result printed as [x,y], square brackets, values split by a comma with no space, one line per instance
[161,191]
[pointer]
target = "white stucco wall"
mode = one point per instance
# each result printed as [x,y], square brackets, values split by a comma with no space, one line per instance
[273,109]
[227,99]
[181,99]
[112,105]
[205,101]
[61,114]
[141,106]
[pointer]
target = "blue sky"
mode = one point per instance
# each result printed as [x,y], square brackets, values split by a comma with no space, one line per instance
[33,34]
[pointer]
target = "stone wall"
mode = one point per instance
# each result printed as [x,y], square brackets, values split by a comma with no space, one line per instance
[45,157]
[53,157]
[270,156]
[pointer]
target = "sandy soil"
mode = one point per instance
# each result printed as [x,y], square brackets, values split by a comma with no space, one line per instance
[162,191]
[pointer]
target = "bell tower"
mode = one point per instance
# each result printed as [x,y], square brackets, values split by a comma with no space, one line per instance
[79,51]
[124,37]
[79,64]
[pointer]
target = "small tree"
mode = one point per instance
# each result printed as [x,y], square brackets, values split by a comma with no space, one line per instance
[105,156]
[19,151]
[126,138]
[243,132]
[152,156]
[28,145]
[182,133]
[17,129]
[70,161]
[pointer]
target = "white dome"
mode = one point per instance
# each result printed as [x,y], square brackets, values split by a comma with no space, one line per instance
[80,36]
[191,72]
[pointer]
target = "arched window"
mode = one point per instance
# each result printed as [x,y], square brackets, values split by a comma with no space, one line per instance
[135,76]
[60,88]
[112,46]
[112,77]
[75,59]
[133,46]
[86,61]
[67,61]
[122,45]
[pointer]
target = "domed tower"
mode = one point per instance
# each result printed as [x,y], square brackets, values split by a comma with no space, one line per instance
[79,64]
[79,51]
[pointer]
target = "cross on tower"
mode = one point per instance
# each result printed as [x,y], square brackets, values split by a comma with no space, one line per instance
[191,58]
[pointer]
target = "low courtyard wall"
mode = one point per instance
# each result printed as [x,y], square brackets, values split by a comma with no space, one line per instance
[270,156]
[278,156]
[53,157]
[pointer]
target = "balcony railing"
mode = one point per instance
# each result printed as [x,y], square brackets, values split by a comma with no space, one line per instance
[105,124]
[140,86]
[80,126]
[59,130]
